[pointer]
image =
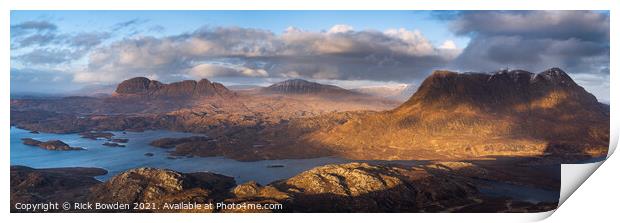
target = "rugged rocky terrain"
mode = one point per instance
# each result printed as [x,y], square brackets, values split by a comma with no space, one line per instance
[30,185]
[352,187]
[148,185]
[452,116]
[456,116]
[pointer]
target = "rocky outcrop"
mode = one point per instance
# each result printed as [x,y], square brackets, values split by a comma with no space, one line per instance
[144,87]
[30,186]
[149,185]
[361,187]
[50,145]
[351,187]
[299,86]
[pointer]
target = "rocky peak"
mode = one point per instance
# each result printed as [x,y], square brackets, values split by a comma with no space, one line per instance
[137,85]
[501,89]
[141,86]
[511,75]
[554,76]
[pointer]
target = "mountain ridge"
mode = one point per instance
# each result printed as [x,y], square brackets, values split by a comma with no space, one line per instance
[142,86]
[502,88]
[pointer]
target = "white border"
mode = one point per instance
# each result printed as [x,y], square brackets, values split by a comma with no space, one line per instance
[6,6]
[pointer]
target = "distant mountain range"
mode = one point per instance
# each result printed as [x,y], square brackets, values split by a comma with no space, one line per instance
[144,87]
[304,87]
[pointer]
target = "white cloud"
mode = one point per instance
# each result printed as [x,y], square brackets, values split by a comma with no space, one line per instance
[449,50]
[414,42]
[448,44]
[207,70]
[340,28]
[340,53]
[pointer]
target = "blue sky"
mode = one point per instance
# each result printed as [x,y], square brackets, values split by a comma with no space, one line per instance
[176,22]
[56,51]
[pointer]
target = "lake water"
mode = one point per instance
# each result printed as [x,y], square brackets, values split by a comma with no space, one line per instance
[518,192]
[119,159]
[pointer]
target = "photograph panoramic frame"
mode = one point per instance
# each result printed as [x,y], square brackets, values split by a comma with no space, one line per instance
[304,111]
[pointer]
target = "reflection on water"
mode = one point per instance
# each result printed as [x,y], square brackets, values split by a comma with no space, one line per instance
[119,159]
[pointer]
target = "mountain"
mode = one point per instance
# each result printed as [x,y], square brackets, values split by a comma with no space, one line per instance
[502,90]
[461,116]
[303,87]
[144,87]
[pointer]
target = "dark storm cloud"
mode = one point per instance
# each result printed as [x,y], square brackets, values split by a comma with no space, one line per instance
[583,25]
[577,41]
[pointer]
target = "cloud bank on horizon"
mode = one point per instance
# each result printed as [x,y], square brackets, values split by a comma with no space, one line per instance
[51,55]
